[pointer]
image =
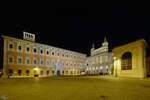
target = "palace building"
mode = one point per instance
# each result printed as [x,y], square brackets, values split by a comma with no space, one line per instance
[100,61]
[25,57]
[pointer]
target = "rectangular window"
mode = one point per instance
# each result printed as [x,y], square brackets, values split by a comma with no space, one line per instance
[10,45]
[42,62]
[10,59]
[35,50]
[19,60]
[41,51]
[27,48]
[27,61]
[63,54]
[35,61]
[47,52]
[47,63]
[53,63]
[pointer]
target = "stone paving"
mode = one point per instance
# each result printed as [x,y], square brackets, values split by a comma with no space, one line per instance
[75,88]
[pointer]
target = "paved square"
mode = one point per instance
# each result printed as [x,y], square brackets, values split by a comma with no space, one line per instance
[75,88]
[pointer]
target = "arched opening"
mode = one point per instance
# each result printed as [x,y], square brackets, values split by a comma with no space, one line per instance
[126,62]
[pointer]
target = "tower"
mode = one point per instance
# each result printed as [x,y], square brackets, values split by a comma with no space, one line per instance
[93,48]
[105,44]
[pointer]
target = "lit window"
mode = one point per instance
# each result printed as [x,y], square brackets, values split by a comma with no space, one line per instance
[19,60]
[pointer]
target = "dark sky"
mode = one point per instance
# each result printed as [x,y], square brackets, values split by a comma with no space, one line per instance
[76,28]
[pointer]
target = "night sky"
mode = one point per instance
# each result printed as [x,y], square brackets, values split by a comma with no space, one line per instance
[76,28]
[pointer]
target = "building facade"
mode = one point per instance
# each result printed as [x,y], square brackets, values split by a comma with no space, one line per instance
[130,60]
[100,61]
[25,57]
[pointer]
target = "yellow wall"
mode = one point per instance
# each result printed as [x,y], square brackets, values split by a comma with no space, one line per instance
[138,51]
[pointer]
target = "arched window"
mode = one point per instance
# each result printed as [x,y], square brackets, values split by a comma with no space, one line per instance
[126,63]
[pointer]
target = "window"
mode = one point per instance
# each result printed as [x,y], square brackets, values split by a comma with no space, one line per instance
[53,63]
[34,61]
[62,54]
[19,72]
[53,72]
[41,51]
[27,72]
[28,49]
[42,62]
[35,50]
[58,53]
[10,45]
[10,59]
[70,63]
[126,62]
[74,64]
[63,72]
[66,55]
[47,52]
[71,55]
[66,63]
[62,63]
[53,52]
[19,48]
[27,61]
[47,63]
[47,72]
[19,60]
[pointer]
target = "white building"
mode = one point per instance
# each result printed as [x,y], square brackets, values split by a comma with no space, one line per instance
[100,61]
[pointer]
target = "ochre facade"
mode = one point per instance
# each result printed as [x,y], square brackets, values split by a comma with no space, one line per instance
[40,59]
[130,59]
